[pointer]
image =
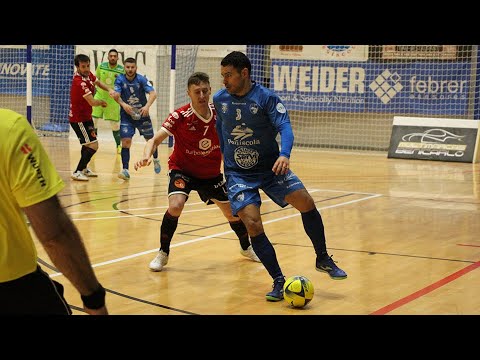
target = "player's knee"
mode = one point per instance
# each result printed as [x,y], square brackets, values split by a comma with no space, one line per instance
[231,218]
[254,225]
[93,146]
[175,208]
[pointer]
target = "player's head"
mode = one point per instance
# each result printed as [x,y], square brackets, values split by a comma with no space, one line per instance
[130,65]
[235,70]
[113,57]
[82,63]
[198,88]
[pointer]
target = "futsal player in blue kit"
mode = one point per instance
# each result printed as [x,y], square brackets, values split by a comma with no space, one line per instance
[249,117]
[130,92]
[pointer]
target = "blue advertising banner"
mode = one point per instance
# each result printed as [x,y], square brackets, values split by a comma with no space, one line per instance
[421,88]
[13,71]
[52,72]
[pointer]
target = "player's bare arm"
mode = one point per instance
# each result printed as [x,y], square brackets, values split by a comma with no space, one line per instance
[149,149]
[95,102]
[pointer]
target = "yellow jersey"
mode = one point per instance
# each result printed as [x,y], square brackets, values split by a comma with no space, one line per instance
[27,177]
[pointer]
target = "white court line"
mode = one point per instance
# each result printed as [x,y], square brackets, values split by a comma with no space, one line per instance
[166,206]
[153,214]
[371,196]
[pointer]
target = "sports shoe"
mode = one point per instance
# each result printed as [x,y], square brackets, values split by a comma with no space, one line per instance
[277,293]
[249,253]
[156,166]
[89,173]
[159,262]
[119,149]
[79,176]
[124,174]
[328,265]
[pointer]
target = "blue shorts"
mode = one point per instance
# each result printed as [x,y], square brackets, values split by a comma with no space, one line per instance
[128,126]
[244,189]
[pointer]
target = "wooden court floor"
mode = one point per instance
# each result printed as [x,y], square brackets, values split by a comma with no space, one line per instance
[405,231]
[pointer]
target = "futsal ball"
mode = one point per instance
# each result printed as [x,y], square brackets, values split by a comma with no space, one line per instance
[136,114]
[298,291]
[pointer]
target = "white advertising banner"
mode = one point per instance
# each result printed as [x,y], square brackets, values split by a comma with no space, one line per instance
[437,52]
[320,52]
[220,51]
[146,56]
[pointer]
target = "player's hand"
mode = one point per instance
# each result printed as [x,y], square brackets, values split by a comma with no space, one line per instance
[281,166]
[113,94]
[129,109]
[104,103]
[144,111]
[141,163]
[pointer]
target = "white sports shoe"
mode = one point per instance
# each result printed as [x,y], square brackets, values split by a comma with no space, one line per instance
[249,253]
[79,176]
[124,174]
[89,173]
[159,262]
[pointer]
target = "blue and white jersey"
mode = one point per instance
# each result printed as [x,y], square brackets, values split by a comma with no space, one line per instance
[247,127]
[133,92]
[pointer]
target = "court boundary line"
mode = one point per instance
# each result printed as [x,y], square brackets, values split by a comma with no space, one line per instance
[202,238]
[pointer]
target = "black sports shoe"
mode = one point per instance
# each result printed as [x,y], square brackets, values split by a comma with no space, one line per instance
[328,265]
[277,293]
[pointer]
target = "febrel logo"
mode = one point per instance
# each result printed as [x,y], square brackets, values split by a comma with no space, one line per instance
[430,87]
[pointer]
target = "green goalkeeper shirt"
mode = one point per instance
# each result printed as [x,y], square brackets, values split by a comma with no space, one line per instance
[107,75]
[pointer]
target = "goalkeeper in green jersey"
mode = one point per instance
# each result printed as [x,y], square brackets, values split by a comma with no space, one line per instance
[107,72]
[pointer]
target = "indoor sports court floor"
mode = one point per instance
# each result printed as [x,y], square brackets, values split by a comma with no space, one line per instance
[405,231]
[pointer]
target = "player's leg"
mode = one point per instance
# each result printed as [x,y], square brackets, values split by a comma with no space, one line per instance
[290,190]
[215,190]
[112,115]
[314,228]
[178,191]
[245,202]
[240,230]
[127,130]
[115,125]
[86,135]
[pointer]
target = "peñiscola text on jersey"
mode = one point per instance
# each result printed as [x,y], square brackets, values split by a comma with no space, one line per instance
[248,126]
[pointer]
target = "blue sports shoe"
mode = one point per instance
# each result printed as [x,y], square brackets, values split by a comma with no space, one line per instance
[156,166]
[328,265]
[277,293]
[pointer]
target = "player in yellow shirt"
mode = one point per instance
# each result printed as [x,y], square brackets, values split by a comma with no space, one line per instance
[29,185]
[107,72]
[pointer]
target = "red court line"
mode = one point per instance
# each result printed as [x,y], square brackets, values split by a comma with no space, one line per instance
[426,290]
[468,245]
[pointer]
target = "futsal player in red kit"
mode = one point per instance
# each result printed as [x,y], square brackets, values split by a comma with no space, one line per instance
[194,164]
[82,100]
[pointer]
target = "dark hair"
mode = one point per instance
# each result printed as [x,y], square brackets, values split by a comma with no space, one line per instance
[112,50]
[197,78]
[81,58]
[238,60]
[130,60]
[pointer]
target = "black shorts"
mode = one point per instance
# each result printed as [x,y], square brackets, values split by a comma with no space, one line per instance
[85,131]
[33,294]
[207,189]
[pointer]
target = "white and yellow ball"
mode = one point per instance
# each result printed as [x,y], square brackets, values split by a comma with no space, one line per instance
[298,291]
